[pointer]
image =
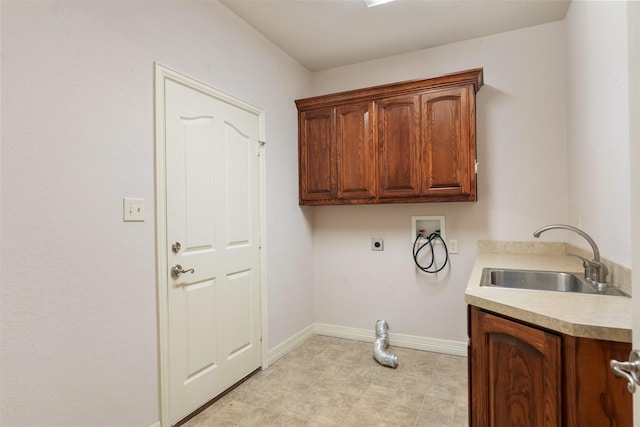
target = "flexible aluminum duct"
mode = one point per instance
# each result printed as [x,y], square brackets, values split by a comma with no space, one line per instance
[380,346]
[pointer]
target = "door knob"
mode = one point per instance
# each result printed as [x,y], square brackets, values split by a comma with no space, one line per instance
[629,370]
[177,270]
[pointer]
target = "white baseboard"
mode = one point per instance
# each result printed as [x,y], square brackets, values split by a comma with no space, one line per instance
[156,424]
[346,332]
[456,348]
[289,344]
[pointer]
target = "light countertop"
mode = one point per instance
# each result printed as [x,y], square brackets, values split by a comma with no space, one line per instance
[580,315]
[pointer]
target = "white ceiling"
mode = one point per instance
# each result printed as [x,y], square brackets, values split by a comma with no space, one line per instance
[322,34]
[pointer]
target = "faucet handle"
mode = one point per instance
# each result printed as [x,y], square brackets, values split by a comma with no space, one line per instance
[601,270]
[586,263]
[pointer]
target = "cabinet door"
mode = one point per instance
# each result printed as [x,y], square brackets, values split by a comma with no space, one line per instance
[594,396]
[448,125]
[354,141]
[398,137]
[516,374]
[317,155]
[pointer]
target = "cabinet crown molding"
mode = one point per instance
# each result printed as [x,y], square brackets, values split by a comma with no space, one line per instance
[474,76]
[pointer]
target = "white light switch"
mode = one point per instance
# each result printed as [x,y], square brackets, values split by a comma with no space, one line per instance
[453,246]
[133,209]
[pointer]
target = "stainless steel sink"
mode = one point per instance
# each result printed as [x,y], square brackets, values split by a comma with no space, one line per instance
[542,281]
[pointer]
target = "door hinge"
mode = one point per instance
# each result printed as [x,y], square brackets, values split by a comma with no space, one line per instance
[476,167]
[261,144]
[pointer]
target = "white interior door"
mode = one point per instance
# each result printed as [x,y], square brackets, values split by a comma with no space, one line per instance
[212,231]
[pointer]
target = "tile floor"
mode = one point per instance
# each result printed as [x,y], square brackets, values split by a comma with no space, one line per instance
[336,382]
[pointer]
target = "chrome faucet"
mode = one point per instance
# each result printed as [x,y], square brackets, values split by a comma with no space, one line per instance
[594,270]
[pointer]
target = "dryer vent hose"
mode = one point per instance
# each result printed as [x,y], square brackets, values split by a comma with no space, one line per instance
[380,346]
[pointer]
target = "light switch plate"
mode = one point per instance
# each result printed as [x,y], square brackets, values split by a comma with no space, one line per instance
[133,209]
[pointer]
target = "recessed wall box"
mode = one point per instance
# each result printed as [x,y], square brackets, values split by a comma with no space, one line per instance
[426,225]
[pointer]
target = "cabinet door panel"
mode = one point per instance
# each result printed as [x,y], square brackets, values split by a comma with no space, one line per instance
[517,374]
[602,399]
[449,147]
[398,137]
[354,140]
[317,155]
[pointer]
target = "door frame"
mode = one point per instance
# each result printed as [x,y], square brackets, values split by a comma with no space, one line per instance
[633,20]
[162,74]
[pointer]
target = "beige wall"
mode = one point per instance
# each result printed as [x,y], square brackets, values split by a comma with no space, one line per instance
[522,185]
[598,125]
[78,326]
[553,147]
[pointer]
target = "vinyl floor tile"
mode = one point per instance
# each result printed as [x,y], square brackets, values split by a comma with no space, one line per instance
[336,382]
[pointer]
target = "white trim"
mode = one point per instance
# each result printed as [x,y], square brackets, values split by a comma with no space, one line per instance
[161,244]
[345,332]
[163,73]
[156,424]
[455,348]
[290,343]
[262,161]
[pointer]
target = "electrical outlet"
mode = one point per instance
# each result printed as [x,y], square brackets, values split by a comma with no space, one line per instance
[453,246]
[377,244]
[133,209]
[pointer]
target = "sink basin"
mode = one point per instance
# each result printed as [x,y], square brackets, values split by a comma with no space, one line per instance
[542,281]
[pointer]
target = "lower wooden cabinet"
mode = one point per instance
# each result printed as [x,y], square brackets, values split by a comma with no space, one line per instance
[523,375]
[516,373]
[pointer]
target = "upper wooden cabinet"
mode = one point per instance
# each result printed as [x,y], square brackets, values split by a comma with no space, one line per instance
[356,155]
[398,141]
[317,154]
[403,142]
[448,122]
